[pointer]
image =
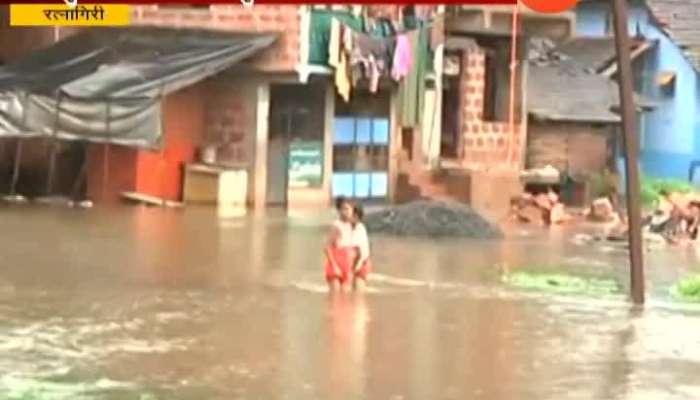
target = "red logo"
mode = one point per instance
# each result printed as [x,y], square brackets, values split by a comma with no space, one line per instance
[550,6]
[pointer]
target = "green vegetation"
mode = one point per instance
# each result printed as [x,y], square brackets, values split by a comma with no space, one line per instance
[562,283]
[687,290]
[651,189]
[605,184]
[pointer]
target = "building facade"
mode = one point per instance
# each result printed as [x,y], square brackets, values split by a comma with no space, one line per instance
[279,115]
[666,74]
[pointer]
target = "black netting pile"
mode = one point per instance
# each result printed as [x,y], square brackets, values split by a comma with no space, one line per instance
[432,219]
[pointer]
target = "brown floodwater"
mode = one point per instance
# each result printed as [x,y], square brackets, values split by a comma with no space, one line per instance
[137,303]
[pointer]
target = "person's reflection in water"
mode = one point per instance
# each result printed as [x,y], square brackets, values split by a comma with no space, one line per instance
[349,319]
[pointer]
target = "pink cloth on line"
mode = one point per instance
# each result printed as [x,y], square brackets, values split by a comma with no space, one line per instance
[403,58]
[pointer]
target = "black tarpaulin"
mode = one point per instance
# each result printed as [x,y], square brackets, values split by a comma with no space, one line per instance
[107,85]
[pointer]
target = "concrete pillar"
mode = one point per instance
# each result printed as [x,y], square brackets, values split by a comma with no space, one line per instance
[431,127]
[259,178]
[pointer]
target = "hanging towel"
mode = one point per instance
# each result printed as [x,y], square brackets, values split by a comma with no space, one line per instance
[412,88]
[334,44]
[342,69]
[403,58]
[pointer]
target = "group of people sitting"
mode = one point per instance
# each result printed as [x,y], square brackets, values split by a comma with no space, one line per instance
[676,218]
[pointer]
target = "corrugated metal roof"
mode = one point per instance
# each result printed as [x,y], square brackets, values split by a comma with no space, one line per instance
[565,81]
[680,19]
[557,94]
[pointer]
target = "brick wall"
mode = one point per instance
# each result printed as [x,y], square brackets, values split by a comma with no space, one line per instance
[581,149]
[282,56]
[226,121]
[485,144]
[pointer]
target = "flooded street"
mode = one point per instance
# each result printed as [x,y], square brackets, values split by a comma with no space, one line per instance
[136,303]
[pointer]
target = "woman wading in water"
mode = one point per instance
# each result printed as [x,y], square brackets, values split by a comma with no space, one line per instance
[347,250]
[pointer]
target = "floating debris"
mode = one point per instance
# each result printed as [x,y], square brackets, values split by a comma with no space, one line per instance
[15,198]
[562,283]
[687,290]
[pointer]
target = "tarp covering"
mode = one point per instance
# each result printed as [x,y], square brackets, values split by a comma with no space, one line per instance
[107,85]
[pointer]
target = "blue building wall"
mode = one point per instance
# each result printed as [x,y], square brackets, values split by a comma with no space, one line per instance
[668,133]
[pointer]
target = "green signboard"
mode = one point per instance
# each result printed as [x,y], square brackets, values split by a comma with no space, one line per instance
[305,164]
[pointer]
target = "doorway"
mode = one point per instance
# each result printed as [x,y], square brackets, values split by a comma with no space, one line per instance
[296,117]
[449,137]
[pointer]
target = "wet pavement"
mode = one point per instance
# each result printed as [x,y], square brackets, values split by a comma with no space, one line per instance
[136,303]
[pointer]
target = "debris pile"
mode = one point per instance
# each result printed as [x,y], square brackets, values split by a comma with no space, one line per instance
[432,219]
[541,208]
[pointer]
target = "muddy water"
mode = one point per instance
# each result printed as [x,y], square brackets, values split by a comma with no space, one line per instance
[160,304]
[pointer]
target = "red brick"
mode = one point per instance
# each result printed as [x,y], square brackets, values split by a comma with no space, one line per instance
[244,18]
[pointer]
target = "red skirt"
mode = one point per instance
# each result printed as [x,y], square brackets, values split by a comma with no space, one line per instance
[345,257]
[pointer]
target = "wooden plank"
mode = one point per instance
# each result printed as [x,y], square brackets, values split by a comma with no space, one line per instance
[149,200]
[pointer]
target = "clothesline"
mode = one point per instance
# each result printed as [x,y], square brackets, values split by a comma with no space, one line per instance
[427,25]
[356,54]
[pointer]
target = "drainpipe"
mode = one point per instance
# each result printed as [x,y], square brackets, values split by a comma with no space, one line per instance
[624,80]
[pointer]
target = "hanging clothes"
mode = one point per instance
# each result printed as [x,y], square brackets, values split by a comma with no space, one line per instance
[403,58]
[437,32]
[320,29]
[339,48]
[412,88]
[342,77]
[334,44]
[371,58]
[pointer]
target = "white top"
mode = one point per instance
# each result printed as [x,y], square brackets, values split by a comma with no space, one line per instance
[360,239]
[345,234]
[353,237]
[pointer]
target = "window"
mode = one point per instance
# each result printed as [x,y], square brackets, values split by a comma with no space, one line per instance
[297,112]
[361,185]
[360,156]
